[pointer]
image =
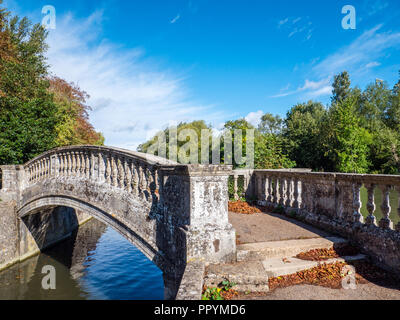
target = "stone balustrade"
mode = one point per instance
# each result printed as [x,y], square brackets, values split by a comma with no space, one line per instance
[332,201]
[133,172]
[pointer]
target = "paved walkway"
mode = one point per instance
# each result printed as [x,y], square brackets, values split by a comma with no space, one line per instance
[263,227]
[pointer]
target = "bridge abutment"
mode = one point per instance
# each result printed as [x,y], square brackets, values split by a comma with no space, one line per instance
[22,238]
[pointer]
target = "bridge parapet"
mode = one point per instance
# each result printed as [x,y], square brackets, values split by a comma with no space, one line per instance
[332,201]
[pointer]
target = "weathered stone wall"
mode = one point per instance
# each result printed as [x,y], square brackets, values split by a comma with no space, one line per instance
[24,238]
[9,253]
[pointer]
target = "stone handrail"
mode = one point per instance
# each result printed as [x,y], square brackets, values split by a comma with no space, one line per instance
[132,171]
[335,195]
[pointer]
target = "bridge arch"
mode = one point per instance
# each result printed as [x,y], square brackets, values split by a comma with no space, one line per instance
[50,203]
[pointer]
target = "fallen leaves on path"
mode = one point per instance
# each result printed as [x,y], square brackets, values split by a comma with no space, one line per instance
[325,254]
[330,275]
[242,207]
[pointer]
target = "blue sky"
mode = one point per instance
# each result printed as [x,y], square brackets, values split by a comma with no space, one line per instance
[147,64]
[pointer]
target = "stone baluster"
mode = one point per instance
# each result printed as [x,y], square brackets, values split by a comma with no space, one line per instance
[270,197]
[135,179]
[266,180]
[88,158]
[141,177]
[128,175]
[276,191]
[357,216]
[38,171]
[235,187]
[245,184]
[146,173]
[73,163]
[34,172]
[289,193]
[151,179]
[385,222]
[156,182]
[44,174]
[83,164]
[92,166]
[296,194]
[282,191]
[108,169]
[371,207]
[68,164]
[41,169]
[114,171]
[62,163]
[101,161]
[398,207]
[121,173]
[79,164]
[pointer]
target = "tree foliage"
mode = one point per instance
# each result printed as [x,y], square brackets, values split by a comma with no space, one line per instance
[37,112]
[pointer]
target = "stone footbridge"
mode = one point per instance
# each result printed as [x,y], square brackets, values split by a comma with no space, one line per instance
[172,213]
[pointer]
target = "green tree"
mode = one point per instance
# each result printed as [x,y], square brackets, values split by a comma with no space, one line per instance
[347,143]
[302,134]
[196,126]
[271,124]
[341,87]
[27,111]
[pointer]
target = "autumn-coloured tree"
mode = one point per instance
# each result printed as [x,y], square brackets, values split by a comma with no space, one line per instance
[73,127]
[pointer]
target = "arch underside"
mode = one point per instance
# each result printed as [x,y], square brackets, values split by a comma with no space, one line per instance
[51,201]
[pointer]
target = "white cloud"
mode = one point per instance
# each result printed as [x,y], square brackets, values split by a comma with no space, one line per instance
[175,19]
[312,88]
[368,47]
[297,25]
[131,96]
[358,58]
[282,22]
[254,118]
[373,64]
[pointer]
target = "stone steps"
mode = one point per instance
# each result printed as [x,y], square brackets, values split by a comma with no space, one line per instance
[257,262]
[287,248]
[248,276]
[277,267]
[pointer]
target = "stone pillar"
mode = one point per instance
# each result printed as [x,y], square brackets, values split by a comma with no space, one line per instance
[210,235]
[194,199]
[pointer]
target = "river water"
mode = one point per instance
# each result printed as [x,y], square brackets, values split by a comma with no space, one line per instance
[96,263]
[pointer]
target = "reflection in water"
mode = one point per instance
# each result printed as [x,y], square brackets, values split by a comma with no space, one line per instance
[95,263]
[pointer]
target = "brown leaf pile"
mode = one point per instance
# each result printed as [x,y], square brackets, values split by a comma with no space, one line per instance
[330,275]
[230,294]
[325,254]
[242,207]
